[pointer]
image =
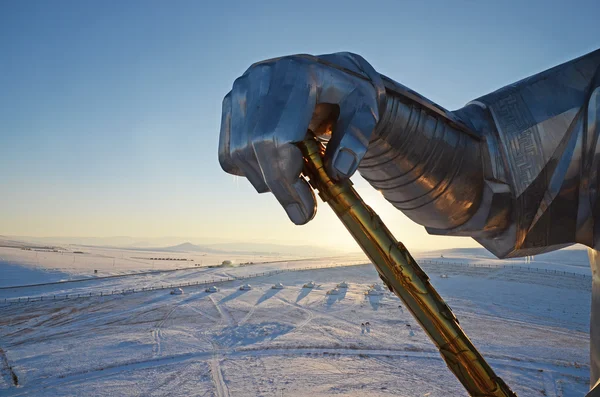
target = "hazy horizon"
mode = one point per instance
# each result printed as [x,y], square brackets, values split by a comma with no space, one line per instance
[160,241]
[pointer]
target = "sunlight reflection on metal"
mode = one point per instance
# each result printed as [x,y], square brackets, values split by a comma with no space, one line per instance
[404,277]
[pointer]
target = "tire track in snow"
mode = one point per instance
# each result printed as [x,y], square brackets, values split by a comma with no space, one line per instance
[252,311]
[216,320]
[396,369]
[544,329]
[247,316]
[7,371]
[215,362]
[175,382]
[223,312]
[157,332]
[216,374]
[104,372]
[551,366]
[310,314]
[549,384]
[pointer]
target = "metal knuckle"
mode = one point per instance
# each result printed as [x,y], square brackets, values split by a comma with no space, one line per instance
[239,85]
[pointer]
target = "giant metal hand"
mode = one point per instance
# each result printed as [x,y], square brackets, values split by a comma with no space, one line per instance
[516,169]
[270,109]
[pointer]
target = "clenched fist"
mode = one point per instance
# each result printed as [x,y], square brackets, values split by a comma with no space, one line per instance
[273,105]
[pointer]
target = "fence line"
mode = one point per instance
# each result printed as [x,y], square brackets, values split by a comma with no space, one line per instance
[164,286]
[490,266]
[81,280]
[271,273]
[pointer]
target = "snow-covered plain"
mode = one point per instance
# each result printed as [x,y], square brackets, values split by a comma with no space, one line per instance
[32,266]
[532,328]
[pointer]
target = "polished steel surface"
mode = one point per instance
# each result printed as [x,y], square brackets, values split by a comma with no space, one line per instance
[545,139]
[594,390]
[517,169]
[270,108]
[404,277]
[424,166]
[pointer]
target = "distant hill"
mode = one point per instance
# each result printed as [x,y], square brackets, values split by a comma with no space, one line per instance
[253,248]
[185,247]
[5,242]
[115,241]
[190,244]
[230,248]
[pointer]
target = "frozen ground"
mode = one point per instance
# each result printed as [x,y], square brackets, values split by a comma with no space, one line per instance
[573,259]
[25,267]
[532,327]
[31,266]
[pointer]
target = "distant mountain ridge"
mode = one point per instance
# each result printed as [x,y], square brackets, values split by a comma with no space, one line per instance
[233,248]
[6,242]
[254,248]
[114,241]
[174,244]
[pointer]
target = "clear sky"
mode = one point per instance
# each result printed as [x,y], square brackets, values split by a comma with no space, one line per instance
[110,111]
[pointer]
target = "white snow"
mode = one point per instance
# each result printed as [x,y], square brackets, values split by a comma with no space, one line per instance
[531,326]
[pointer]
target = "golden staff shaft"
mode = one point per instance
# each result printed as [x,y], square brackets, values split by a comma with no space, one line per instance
[404,277]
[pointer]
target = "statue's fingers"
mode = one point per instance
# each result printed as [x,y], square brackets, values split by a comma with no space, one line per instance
[240,147]
[281,169]
[225,159]
[350,137]
[283,121]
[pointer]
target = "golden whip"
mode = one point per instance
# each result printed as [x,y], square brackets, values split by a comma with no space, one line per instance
[404,277]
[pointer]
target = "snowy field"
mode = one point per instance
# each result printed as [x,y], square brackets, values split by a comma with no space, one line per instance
[32,266]
[531,326]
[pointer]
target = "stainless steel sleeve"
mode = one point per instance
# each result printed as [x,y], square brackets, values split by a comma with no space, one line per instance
[424,166]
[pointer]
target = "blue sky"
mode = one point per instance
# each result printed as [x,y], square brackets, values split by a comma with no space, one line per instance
[110,111]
